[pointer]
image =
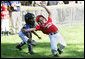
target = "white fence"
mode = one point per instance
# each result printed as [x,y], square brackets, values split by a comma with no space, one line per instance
[61,14]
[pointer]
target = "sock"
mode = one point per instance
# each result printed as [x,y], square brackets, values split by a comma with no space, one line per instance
[7,32]
[3,32]
[30,48]
[54,52]
[22,43]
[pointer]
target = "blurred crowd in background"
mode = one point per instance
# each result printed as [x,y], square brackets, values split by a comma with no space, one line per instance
[49,3]
[10,10]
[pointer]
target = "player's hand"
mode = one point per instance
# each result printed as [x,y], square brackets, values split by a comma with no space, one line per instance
[41,4]
[23,30]
[39,38]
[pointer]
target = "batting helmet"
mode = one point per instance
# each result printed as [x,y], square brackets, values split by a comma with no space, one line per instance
[29,18]
[4,7]
[38,17]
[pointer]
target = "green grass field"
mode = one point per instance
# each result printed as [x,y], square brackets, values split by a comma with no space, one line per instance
[74,37]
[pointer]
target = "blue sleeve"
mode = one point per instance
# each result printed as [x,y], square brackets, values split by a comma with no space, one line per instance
[11,2]
[8,4]
[26,27]
[19,2]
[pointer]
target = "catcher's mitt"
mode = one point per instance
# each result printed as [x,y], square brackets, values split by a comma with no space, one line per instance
[33,43]
[30,41]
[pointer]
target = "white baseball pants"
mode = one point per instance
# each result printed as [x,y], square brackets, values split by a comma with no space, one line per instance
[56,39]
[16,20]
[23,37]
[5,24]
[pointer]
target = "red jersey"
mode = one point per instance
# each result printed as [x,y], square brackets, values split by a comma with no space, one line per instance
[47,27]
[4,15]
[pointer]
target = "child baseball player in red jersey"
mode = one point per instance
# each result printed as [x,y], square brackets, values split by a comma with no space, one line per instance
[47,27]
[4,20]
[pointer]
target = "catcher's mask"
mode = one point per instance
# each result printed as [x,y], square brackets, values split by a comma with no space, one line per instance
[29,18]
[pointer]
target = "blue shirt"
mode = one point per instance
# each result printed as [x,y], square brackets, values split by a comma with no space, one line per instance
[5,3]
[53,2]
[26,27]
[15,2]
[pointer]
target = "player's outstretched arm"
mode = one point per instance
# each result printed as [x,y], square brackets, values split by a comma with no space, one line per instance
[36,34]
[31,29]
[49,13]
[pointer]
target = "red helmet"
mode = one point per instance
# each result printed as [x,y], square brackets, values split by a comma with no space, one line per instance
[4,7]
[37,18]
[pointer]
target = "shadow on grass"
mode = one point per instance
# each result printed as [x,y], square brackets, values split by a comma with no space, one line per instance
[8,50]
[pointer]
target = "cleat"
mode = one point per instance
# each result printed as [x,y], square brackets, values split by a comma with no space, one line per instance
[57,55]
[60,52]
[30,52]
[33,43]
[18,47]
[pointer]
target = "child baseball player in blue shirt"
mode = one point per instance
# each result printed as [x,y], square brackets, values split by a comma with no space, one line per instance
[27,36]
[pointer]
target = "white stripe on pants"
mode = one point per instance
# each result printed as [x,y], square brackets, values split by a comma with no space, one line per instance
[56,39]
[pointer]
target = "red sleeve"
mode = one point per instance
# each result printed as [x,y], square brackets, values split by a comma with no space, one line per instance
[49,19]
[37,27]
[2,15]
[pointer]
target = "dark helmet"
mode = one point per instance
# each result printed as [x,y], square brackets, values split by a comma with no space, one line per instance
[29,18]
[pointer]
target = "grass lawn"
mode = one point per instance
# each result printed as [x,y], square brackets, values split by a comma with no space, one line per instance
[74,37]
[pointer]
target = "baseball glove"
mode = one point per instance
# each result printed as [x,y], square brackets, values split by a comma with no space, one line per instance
[33,43]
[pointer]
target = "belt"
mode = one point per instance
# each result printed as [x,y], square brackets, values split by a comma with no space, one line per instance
[53,33]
